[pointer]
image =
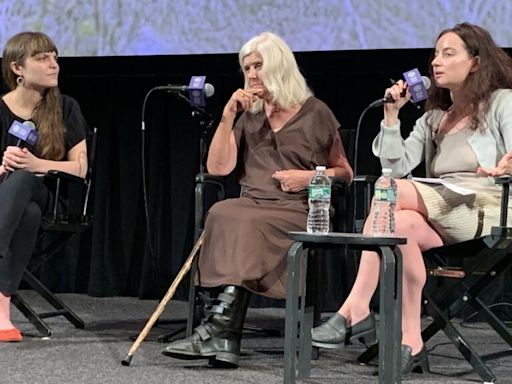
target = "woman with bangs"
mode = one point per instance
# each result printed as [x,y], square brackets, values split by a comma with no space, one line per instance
[282,134]
[30,71]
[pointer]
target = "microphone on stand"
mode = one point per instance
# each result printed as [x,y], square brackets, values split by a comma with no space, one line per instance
[197,89]
[209,89]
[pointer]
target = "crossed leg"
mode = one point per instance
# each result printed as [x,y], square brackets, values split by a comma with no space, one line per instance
[411,223]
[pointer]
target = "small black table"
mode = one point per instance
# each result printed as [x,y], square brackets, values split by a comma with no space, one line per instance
[390,320]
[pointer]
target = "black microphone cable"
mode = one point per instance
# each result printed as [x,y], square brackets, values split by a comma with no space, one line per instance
[197,109]
[356,152]
[152,255]
[374,104]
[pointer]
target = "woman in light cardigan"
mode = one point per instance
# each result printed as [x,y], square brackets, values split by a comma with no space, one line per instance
[465,138]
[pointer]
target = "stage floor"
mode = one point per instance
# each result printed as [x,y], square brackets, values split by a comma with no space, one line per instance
[93,355]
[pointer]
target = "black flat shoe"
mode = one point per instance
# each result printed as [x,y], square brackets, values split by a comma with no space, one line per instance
[335,334]
[417,363]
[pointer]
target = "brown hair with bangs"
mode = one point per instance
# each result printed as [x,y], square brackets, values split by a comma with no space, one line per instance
[494,72]
[47,114]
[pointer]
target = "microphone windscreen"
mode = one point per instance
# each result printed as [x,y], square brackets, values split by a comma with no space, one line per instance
[426,81]
[29,124]
[209,90]
[33,135]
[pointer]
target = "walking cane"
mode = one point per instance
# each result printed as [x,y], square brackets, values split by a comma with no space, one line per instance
[161,306]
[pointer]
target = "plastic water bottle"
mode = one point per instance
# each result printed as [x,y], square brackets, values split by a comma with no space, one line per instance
[384,203]
[319,200]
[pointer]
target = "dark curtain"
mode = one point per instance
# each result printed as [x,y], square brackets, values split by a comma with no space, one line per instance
[114,257]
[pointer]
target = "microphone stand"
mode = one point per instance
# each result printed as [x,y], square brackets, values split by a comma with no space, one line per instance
[206,121]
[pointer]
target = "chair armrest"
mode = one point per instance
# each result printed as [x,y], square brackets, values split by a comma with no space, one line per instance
[70,194]
[52,174]
[505,179]
[338,182]
[203,180]
[206,177]
[366,183]
[365,179]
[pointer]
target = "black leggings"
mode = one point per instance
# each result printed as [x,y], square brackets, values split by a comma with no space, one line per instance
[23,199]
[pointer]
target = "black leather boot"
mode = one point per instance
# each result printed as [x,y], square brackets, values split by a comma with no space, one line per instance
[218,338]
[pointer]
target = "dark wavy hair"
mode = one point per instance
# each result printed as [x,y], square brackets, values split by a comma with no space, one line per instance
[495,72]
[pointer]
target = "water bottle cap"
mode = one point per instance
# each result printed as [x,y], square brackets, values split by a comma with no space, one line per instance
[320,168]
[387,171]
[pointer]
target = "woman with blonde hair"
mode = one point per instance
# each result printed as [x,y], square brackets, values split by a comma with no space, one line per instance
[282,134]
[30,70]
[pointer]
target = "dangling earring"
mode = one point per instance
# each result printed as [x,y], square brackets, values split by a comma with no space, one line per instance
[20,80]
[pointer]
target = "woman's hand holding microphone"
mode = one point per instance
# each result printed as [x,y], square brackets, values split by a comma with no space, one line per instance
[19,158]
[398,92]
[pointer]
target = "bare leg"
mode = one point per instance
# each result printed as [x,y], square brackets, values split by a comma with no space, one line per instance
[5,315]
[410,223]
[420,237]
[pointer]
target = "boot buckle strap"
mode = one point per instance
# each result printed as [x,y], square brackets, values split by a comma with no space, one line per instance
[203,332]
[218,309]
[226,298]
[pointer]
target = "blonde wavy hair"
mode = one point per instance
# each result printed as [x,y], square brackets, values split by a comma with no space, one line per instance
[279,72]
[47,115]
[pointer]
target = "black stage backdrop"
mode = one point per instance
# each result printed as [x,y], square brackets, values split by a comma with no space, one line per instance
[112,259]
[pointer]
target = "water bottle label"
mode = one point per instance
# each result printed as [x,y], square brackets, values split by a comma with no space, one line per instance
[385,194]
[319,192]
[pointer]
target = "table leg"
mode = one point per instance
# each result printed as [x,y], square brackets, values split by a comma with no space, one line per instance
[305,322]
[390,320]
[290,334]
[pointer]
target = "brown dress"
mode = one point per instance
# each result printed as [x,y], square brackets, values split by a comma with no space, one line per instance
[246,239]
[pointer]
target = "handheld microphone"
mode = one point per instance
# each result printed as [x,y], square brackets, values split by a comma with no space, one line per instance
[418,91]
[197,90]
[417,85]
[25,132]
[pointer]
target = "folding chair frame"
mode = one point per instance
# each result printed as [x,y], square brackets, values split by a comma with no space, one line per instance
[67,224]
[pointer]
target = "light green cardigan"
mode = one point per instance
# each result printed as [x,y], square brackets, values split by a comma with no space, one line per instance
[490,144]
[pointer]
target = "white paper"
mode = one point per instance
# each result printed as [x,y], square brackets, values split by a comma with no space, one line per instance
[450,186]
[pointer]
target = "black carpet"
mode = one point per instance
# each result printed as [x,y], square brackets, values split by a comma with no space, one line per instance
[93,355]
